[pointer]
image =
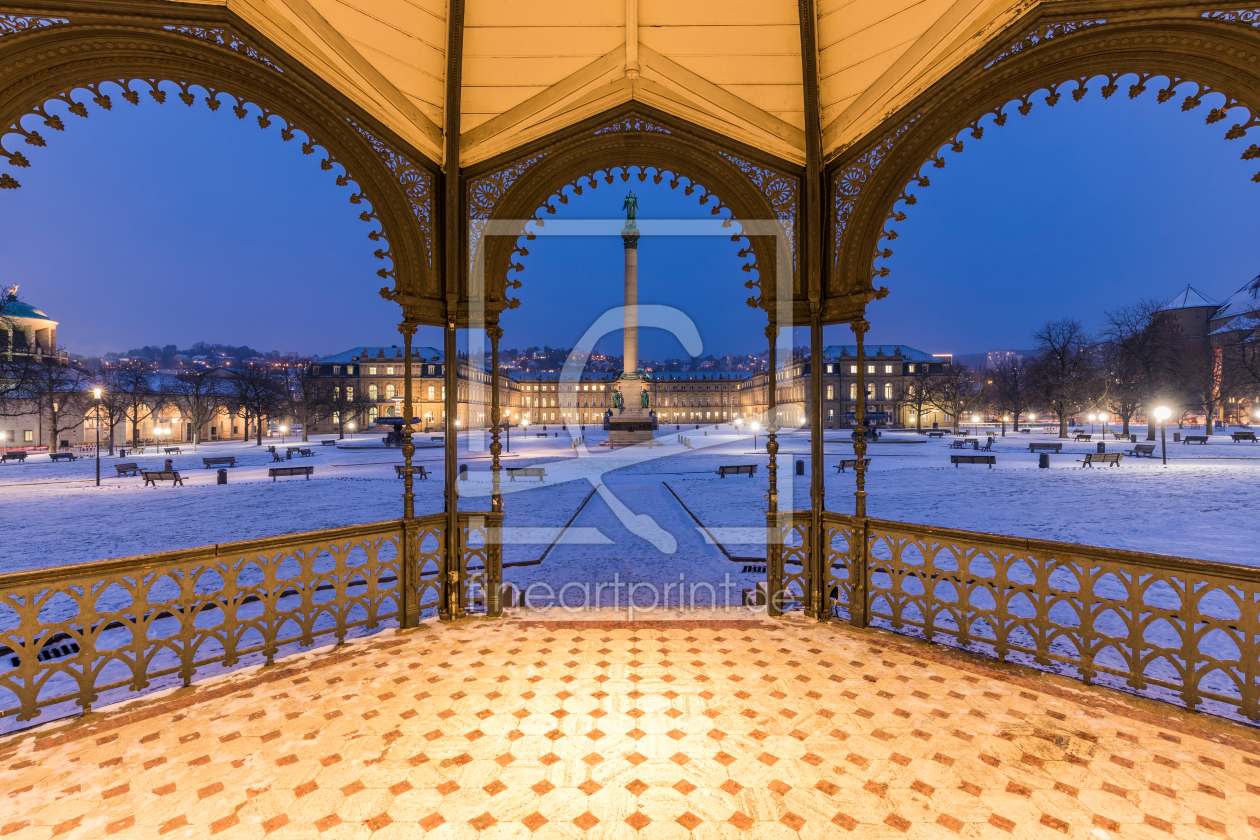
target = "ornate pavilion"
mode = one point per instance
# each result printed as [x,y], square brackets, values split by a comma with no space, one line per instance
[1052,706]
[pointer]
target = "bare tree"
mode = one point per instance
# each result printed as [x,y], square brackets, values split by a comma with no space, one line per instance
[257,391]
[113,403]
[345,405]
[140,393]
[302,393]
[1143,354]
[913,394]
[1009,389]
[1064,369]
[1210,376]
[199,395]
[60,395]
[955,392]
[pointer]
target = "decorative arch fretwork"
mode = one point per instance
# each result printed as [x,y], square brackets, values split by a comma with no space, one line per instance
[54,67]
[739,186]
[1214,55]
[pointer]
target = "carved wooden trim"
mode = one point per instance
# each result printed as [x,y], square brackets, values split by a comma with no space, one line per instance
[1186,58]
[50,73]
[16,24]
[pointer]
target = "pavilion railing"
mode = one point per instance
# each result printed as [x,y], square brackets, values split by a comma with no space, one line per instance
[89,634]
[1181,630]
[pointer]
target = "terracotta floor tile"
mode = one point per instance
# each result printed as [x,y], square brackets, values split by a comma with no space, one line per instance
[825,733]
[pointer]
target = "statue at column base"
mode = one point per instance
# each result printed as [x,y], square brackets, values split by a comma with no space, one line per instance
[633,423]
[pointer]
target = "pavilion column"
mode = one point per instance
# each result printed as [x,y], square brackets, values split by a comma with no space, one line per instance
[450,437]
[496,500]
[817,557]
[774,541]
[409,611]
[860,326]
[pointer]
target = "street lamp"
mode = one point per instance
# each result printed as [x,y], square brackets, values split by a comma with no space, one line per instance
[755,426]
[283,429]
[1092,417]
[1162,414]
[352,430]
[1102,418]
[96,392]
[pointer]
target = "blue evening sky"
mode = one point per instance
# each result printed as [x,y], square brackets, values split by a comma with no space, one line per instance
[170,225]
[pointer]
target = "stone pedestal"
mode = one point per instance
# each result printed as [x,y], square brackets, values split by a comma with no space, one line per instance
[633,424]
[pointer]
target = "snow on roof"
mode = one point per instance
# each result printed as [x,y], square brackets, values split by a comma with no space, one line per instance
[1239,323]
[373,353]
[1188,298]
[11,307]
[871,351]
[1242,302]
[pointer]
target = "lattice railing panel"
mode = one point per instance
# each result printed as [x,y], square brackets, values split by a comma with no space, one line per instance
[73,635]
[793,569]
[1182,630]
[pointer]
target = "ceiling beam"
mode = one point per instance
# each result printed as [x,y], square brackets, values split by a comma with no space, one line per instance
[344,50]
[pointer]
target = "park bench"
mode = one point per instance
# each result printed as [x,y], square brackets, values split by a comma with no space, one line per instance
[417,470]
[1025,431]
[127,469]
[307,453]
[540,434]
[1142,449]
[1237,436]
[61,456]
[936,433]
[845,463]
[162,475]
[276,472]
[526,472]
[436,437]
[327,443]
[1092,458]
[13,456]
[1046,447]
[137,450]
[275,457]
[229,461]
[973,459]
[959,444]
[988,445]
[1195,439]
[174,450]
[292,449]
[737,469]
[1083,436]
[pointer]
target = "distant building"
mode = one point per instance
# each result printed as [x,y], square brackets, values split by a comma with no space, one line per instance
[1192,311]
[25,330]
[996,357]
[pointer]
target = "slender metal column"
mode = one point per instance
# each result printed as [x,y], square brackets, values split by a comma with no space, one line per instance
[408,609]
[860,326]
[820,607]
[454,560]
[495,332]
[774,541]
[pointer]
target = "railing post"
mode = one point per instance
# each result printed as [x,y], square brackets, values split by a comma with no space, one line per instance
[408,566]
[494,564]
[860,326]
[495,332]
[774,528]
[860,574]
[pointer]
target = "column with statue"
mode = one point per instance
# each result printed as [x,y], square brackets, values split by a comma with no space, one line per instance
[632,420]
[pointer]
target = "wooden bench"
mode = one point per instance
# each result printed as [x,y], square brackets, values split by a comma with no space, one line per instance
[276,472]
[174,450]
[845,463]
[307,453]
[936,433]
[1092,458]
[1025,431]
[737,469]
[960,444]
[137,450]
[1083,436]
[1046,447]
[1237,436]
[527,472]
[1142,449]
[276,457]
[127,469]
[228,461]
[61,456]
[401,469]
[18,456]
[154,477]
[327,443]
[1195,439]
[973,459]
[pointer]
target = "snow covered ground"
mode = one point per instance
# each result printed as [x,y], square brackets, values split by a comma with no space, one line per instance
[1200,505]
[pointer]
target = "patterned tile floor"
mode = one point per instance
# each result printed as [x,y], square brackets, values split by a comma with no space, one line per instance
[588,727]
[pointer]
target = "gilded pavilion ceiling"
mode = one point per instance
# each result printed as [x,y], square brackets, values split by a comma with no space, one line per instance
[732,66]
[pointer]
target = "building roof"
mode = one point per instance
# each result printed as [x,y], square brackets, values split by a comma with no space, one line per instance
[375,353]
[11,307]
[1188,298]
[874,351]
[1239,323]
[1242,302]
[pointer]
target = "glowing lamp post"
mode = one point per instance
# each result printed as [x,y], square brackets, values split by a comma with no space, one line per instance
[1092,418]
[755,426]
[1102,418]
[283,429]
[1162,414]
[96,392]
[351,430]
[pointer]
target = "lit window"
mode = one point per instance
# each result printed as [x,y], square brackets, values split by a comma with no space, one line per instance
[853,390]
[28,435]
[829,367]
[336,369]
[831,392]
[870,368]
[389,371]
[372,371]
[372,395]
[887,368]
[888,391]
[852,368]
[911,368]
